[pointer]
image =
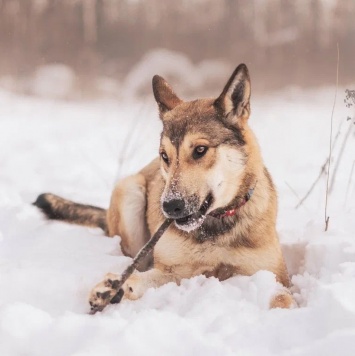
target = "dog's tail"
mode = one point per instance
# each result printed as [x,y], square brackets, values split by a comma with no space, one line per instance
[57,208]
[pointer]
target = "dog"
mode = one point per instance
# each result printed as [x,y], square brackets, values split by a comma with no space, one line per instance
[211,180]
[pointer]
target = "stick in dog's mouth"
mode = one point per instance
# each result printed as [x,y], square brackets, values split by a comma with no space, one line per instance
[187,223]
[193,221]
[117,284]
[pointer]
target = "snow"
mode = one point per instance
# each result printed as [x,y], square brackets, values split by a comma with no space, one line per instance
[78,150]
[55,81]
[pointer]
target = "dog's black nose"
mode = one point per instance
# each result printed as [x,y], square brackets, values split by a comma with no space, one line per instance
[174,208]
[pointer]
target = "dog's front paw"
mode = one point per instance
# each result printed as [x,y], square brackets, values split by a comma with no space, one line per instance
[105,292]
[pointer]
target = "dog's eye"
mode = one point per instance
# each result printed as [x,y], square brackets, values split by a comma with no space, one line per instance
[199,151]
[165,157]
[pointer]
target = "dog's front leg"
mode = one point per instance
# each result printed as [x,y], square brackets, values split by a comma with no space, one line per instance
[133,288]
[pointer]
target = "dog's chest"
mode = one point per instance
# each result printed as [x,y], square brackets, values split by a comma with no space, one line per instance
[186,257]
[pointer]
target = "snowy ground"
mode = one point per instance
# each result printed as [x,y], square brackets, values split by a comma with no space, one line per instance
[77,150]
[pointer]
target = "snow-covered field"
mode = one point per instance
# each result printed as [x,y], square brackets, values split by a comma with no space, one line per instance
[78,150]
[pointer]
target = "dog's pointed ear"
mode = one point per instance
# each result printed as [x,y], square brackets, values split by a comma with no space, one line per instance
[164,95]
[234,102]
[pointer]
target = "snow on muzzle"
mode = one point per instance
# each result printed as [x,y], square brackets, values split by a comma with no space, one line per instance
[193,221]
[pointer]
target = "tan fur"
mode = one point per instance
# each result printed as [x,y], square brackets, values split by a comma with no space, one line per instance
[127,206]
[230,166]
[57,208]
[251,245]
[283,300]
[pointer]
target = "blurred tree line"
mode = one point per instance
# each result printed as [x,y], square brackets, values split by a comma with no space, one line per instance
[284,42]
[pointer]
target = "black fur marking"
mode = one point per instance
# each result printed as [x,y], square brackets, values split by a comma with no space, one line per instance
[213,228]
[235,91]
[238,136]
[105,295]
[164,95]
[57,208]
[222,271]
[238,96]
[176,132]
[115,284]
[210,122]
[46,207]
[118,297]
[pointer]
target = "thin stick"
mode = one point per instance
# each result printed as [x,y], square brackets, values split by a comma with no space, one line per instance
[293,191]
[326,217]
[130,269]
[349,182]
[337,164]
[322,171]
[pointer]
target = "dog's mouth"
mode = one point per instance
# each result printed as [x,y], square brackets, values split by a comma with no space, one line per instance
[192,222]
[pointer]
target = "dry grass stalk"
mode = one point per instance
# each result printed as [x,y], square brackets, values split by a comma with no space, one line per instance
[337,164]
[326,217]
[322,171]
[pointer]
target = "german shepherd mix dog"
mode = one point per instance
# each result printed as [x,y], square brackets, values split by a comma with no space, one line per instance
[209,166]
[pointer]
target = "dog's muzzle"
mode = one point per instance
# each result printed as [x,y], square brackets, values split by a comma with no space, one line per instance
[174,208]
[184,219]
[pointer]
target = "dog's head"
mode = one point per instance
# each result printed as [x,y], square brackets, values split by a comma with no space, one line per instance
[202,149]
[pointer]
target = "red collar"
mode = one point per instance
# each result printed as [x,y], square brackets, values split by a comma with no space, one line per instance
[231,212]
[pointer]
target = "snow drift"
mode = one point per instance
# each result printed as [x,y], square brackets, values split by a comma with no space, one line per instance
[48,268]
